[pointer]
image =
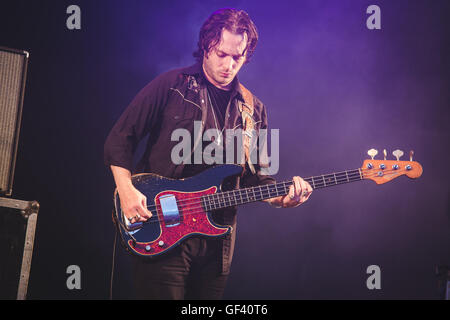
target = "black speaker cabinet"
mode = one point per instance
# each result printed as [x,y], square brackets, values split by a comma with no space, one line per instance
[17,228]
[13,69]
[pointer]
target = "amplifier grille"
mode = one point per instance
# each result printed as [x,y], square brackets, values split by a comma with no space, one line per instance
[13,64]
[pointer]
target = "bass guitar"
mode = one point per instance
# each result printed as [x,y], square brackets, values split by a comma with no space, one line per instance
[182,208]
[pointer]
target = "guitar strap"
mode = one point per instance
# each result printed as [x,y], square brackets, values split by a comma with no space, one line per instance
[246,109]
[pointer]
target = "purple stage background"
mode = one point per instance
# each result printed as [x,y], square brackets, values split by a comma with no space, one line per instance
[334,89]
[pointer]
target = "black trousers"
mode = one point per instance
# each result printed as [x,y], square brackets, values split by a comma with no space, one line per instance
[190,271]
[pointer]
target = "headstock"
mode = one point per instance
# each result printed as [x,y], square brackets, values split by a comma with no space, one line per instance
[382,171]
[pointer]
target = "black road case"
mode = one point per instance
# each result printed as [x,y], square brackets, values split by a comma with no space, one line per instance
[17,228]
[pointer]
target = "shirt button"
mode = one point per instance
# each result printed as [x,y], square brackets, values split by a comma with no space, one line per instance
[203,101]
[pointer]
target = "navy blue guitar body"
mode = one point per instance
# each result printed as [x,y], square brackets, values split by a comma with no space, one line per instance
[178,209]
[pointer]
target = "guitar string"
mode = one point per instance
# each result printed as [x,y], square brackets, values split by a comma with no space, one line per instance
[263,188]
[268,188]
[196,207]
[224,196]
[193,210]
[155,219]
[256,197]
[350,173]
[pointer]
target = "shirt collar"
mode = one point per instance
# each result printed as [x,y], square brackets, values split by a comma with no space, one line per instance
[197,70]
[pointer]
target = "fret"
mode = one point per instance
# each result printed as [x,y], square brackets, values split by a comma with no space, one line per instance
[213,202]
[323,181]
[276,190]
[221,200]
[216,201]
[232,200]
[207,202]
[209,205]
[224,200]
[227,198]
[273,190]
[254,194]
[342,180]
[204,203]
[269,191]
[314,185]
[262,192]
[284,188]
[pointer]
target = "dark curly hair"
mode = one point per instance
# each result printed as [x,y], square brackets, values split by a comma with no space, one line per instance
[235,21]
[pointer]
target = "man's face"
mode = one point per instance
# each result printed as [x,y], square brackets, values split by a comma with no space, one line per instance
[223,62]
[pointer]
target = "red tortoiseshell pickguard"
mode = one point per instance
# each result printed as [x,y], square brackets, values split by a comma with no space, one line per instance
[193,220]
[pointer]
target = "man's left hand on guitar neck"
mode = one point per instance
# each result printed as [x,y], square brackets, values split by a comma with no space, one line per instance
[299,192]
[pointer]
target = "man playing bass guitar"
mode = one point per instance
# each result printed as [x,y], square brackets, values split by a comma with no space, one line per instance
[208,93]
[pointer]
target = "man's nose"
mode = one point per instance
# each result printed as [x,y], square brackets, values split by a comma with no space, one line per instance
[229,63]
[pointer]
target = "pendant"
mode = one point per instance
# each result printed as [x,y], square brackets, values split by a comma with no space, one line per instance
[218,140]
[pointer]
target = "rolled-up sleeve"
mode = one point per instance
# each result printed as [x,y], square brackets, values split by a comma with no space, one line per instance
[135,123]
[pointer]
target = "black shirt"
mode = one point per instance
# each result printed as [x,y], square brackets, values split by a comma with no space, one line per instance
[175,99]
[218,101]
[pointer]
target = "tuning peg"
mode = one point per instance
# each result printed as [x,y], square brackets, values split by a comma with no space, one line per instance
[398,154]
[372,153]
[411,153]
[385,153]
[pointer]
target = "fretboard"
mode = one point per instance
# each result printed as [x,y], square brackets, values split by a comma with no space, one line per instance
[262,192]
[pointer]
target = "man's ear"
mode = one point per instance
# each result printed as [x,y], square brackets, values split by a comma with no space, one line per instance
[245,55]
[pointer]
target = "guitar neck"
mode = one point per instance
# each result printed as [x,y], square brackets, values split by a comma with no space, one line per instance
[252,194]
